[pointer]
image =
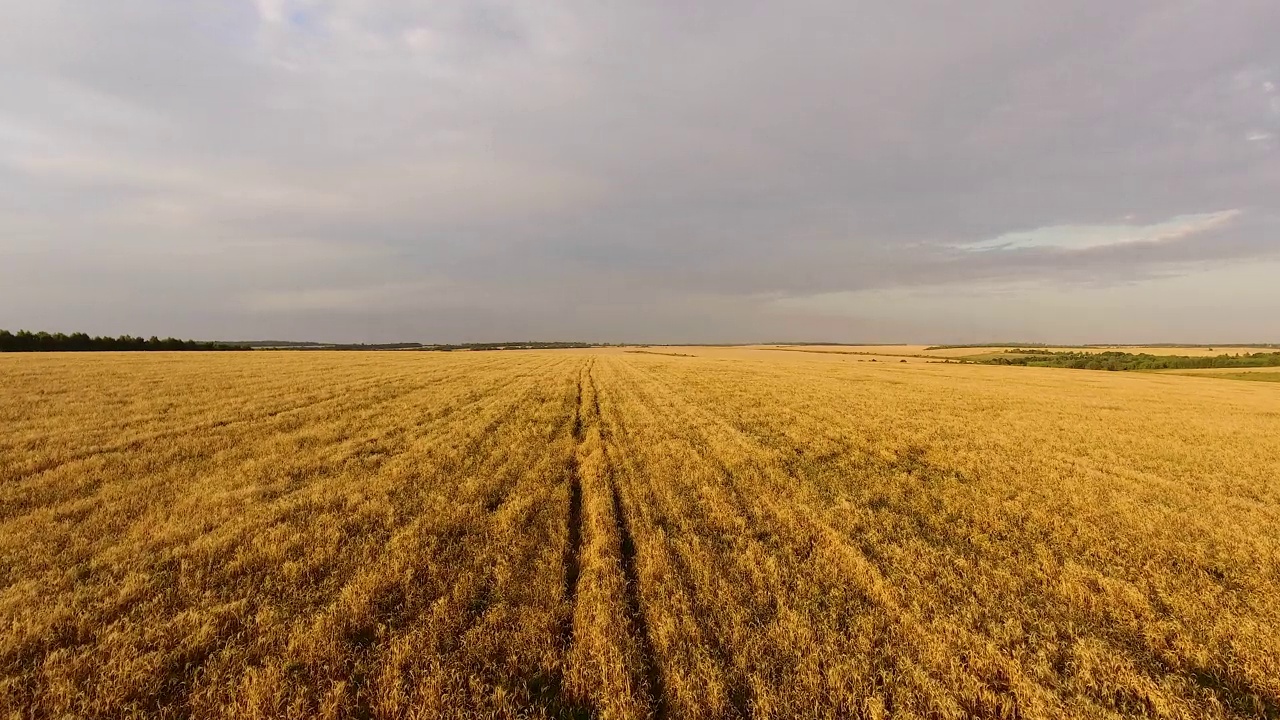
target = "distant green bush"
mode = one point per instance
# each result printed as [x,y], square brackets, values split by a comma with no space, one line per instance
[1113,360]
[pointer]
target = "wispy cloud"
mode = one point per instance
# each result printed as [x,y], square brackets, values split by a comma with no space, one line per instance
[1084,237]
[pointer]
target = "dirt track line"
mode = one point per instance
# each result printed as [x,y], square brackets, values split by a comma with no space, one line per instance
[573,547]
[627,547]
[557,704]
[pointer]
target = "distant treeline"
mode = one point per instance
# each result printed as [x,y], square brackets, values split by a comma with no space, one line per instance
[276,344]
[24,341]
[512,346]
[522,345]
[1131,361]
[307,345]
[995,345]
[372,346]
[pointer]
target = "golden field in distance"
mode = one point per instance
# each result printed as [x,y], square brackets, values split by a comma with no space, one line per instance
[927,351]
[1265,374]
[631,533]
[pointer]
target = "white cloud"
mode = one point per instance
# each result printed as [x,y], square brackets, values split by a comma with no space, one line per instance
[270,11]
[1083,237]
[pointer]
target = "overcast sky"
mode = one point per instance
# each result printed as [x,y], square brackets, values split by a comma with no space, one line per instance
[376,170]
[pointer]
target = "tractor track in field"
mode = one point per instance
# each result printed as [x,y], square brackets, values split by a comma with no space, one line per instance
[573,546]
[627,546]
[554,702]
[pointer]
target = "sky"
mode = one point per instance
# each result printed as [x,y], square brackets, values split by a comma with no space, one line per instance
[395,170]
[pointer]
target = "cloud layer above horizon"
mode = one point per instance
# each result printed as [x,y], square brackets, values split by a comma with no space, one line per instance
[377,170]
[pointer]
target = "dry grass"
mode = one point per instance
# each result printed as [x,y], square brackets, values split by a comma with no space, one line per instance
[626,535]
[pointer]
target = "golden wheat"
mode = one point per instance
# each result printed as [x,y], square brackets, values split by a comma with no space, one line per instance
[711,533]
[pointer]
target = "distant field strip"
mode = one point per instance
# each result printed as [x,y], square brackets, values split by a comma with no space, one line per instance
[1259,374]
[622,534]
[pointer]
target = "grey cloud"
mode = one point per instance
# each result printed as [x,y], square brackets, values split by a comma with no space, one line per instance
[368,170]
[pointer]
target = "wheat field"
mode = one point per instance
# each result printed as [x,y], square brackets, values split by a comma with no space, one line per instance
[713,533]
[970,351]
